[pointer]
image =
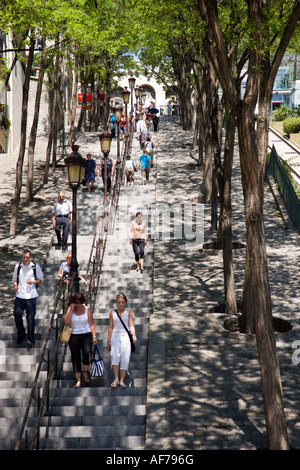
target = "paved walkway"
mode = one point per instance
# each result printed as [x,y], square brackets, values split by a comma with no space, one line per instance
[203,385]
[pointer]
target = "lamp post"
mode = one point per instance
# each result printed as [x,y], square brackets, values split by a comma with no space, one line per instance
[105,142]
[137,94]
[117,110]
[141,91]
[131,82]
[126,96]
[75,169]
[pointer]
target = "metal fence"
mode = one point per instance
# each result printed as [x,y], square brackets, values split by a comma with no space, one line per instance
[276,169]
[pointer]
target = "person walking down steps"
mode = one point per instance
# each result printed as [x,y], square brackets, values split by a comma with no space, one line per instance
[26,277]
[62,219]
[138,240]
[118,341]
[80,318]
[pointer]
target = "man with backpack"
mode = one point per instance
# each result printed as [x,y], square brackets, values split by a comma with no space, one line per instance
[26,278]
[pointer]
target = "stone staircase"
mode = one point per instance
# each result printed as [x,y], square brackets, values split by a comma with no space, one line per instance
[97,416]
[94,416]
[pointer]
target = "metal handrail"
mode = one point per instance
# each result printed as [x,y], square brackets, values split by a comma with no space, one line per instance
[35,381]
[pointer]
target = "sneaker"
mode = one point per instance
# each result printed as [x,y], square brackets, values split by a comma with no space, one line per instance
[30,343]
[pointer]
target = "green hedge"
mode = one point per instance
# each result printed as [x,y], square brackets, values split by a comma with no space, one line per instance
[291,125]
[281,113]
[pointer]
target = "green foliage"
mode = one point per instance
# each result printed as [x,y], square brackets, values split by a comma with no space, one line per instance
[291,125]
[281,113]
[289,174]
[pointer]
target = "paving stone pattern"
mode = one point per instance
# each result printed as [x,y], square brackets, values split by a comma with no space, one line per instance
[190,384]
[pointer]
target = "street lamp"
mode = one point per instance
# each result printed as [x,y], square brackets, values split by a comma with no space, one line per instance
[126,96]
[105,142]
[131,82]
[137,94]
[117,110]
[75,170]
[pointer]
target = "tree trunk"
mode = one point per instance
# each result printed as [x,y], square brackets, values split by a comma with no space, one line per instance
[81,125]
[33,133]
[182,69]
[225,225]
[20,162]
[257,313]
[96,117]
[257,310]
[200,125]
[55,113]
[73,105]
[208,149]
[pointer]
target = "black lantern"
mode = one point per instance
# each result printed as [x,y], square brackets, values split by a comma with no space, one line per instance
[105,141]
[131,81]
[126,95]
[75,170]
[75,165]
[117,110]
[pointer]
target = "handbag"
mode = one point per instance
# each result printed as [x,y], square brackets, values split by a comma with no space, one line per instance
[66,334]
[128,332]
[97,366]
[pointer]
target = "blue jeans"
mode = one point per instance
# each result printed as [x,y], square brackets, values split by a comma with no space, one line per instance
[29,306]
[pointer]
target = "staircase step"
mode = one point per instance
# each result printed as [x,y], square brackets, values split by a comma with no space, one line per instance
[94,443]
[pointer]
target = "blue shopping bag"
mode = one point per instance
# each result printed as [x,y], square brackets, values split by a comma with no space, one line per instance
[97,366]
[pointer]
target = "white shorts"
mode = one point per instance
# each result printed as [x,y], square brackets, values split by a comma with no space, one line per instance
[120,350]
[141,126]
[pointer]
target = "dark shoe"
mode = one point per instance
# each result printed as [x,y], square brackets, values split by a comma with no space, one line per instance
[64,247]
[30,343]
[21,339]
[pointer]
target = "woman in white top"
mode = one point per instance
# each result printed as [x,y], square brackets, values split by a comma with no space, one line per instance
[79,316]
[129,170]
[118,342]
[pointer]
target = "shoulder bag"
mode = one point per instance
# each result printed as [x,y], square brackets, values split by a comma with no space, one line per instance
[66,334]
[128,332]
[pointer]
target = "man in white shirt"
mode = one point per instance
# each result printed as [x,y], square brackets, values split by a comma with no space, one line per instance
[27,276]
[62,219]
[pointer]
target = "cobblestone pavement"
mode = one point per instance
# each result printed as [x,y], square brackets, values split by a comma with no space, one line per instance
[203,383]
[206,390]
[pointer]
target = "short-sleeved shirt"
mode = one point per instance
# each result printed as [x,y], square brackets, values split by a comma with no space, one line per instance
[129,164]
[62,208]
[27,291]
[145,161]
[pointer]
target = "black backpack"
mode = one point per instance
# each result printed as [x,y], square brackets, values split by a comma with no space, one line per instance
[34,272]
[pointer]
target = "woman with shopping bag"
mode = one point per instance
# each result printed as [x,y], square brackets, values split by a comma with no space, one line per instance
[83,336]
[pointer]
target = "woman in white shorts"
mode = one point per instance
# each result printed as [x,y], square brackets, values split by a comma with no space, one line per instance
[118,342]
